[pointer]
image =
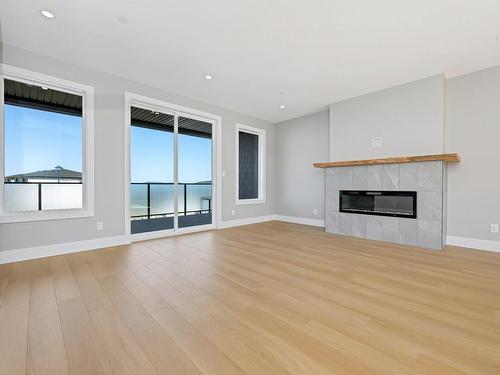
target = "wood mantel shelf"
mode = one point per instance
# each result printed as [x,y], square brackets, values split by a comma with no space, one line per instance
[450,158]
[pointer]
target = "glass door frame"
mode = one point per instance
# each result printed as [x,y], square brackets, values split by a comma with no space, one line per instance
[135,100]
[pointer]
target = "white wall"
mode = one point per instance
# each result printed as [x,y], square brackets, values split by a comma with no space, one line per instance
[299,143]
[409,118]
[109,151]
[473,130]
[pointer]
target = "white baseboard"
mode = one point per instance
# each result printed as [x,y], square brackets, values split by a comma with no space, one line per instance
[146,236]
[300,220]
[247,221]
[474,243]
[262,219]
[16,255]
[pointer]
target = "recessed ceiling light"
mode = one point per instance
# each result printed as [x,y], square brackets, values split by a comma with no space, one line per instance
[156,113]
[47,14]
[282,106]
[44,88]
[209,77]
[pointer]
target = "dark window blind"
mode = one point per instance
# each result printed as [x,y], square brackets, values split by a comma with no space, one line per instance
[248,165]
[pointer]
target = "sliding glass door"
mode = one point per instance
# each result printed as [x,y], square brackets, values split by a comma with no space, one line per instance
[151,170]
[171,171]
[195,172]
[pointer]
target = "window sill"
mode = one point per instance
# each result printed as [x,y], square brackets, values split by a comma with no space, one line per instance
[242,202]
[21,217]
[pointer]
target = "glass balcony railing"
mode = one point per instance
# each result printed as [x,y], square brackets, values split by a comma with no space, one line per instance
[154,200]
[38,196]
[147,200]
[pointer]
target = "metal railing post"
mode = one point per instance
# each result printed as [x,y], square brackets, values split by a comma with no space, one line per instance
[39,197]
[149,200]
[185,199]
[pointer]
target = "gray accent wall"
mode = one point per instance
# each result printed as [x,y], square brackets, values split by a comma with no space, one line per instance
[109,155]
[409,118]
[299,143]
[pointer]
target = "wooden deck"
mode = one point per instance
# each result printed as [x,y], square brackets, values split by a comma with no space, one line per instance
[164,223]
[271,298]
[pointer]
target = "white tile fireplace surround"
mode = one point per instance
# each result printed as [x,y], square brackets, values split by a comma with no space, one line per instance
[426,178]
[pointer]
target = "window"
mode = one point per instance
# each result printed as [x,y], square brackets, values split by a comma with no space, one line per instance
[46,144]
[250,162]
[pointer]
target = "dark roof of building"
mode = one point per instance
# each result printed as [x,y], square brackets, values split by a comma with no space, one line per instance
[33,96]
[51,173]
[164,121]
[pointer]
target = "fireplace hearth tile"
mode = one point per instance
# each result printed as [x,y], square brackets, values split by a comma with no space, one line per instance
[359,226]
[408,232]
[390,229]
[390,180]
[332,200]
[430,176]
[345,178]
[374,227]
[359,177]
[332,222]
[429,234]
[408,177]
[430,205]
[332,179]
[374,177]
[345,224]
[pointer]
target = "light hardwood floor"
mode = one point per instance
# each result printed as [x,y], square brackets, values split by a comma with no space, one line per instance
[271,298]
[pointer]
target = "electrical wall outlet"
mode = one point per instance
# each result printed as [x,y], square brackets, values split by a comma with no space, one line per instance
[315,211]
[494,228]
[223,173]
[233,212]
[377,142]
[99,225]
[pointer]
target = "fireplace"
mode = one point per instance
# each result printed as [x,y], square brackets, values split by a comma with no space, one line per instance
[382,203]
[378,199]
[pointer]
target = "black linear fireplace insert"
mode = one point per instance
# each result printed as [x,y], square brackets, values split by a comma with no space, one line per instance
[383,203]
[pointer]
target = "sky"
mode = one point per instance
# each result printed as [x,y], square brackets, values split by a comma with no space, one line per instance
[37,140]
[152,156]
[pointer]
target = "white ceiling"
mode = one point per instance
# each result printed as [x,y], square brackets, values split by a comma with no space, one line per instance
[315,51]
